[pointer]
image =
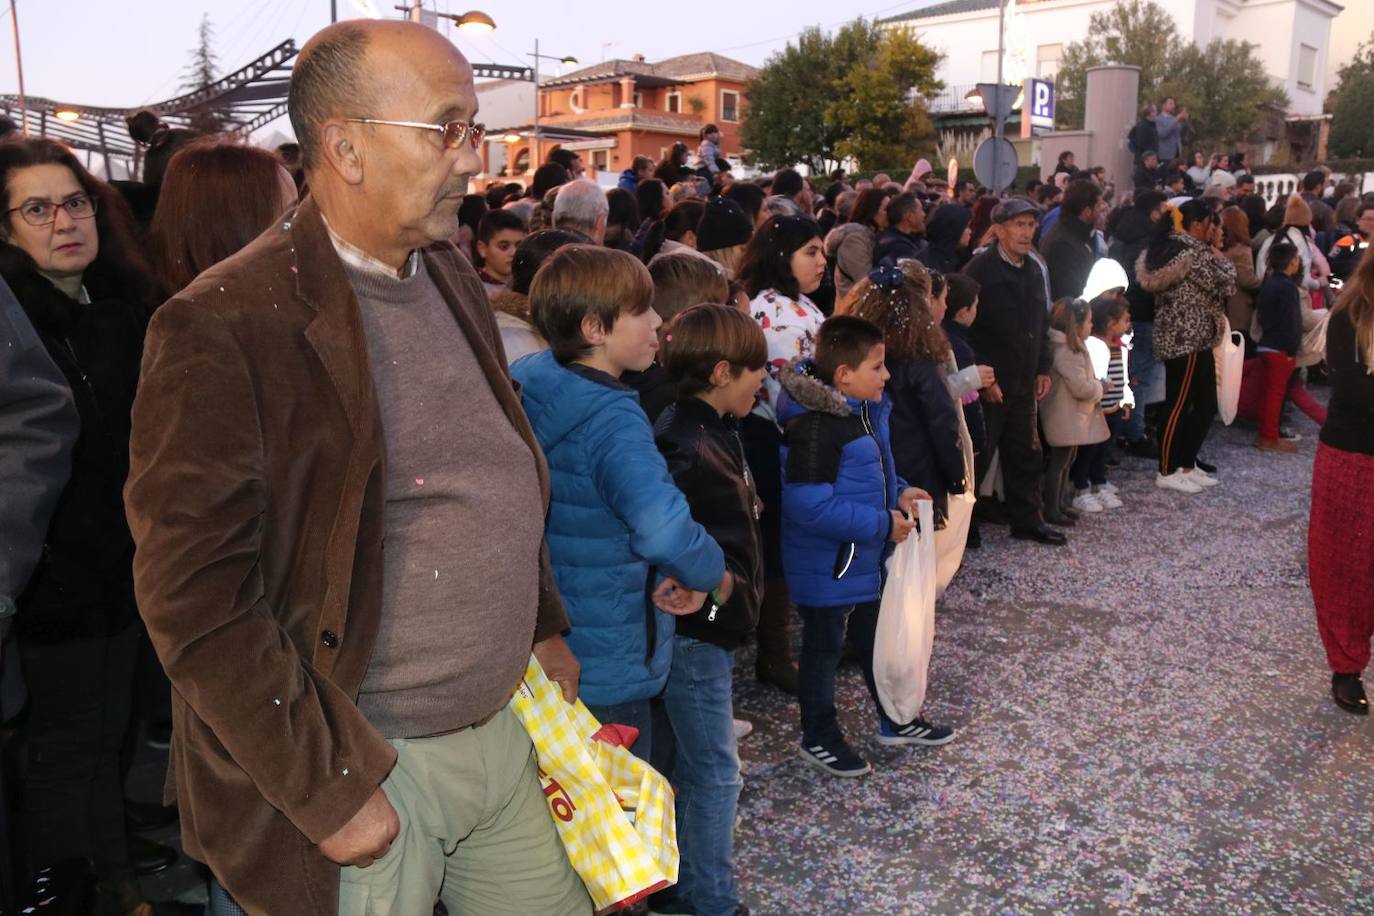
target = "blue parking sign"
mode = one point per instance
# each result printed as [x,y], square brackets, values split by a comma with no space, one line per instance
[1041,101]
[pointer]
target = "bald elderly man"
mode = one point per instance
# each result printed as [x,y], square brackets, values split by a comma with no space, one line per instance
[342,739]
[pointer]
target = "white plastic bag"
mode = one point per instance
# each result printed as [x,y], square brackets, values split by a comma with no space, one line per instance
[906,622]
[951,539]
[1230,360]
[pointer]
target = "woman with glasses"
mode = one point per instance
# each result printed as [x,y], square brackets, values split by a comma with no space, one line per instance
[64,252]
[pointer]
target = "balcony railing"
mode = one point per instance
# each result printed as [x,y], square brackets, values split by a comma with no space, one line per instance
[951,99]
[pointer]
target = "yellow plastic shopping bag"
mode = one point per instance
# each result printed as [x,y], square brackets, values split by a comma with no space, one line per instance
[613,811]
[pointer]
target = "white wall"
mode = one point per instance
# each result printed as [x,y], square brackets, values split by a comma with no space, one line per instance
[1278,27]
[1271,28]
[1310,28]
[505,103]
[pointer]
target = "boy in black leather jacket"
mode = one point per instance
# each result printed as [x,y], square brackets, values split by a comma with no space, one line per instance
[716,355]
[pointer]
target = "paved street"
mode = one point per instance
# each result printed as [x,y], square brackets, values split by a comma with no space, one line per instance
[1144,726]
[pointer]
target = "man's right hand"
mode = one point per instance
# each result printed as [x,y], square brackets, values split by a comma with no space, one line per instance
[367,836]
[993,393]
[987,377]
[901,527]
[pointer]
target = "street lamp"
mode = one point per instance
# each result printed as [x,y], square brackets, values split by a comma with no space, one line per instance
[67,114]
[567,61]
[474,22]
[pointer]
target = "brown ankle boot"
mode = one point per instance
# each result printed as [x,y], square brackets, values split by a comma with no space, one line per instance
[774,664]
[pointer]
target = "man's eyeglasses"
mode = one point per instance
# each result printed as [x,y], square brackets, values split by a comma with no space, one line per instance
[44,212]
[454,132]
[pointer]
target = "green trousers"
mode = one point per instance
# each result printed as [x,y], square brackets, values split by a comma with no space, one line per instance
[476,833]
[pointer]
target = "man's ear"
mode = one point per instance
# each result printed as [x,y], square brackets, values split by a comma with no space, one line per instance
[592,331]
[340,149]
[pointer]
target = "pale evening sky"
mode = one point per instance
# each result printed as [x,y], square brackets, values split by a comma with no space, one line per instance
[124,53]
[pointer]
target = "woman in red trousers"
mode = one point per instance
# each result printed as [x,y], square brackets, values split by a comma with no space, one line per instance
[1340,539]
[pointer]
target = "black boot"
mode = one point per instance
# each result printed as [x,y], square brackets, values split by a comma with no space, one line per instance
[774,664]
[1348,692]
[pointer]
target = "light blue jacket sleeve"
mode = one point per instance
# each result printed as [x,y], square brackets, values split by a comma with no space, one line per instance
[631,476]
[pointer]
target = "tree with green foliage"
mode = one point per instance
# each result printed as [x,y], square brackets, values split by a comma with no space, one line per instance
[1225,90]
[1350,104]
[853,93]
[1138,32]
[1223,86]
[881,111]
[202,71]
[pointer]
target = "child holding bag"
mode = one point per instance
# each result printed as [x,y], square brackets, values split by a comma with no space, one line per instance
[1071,414]
[926,438]
[842,505]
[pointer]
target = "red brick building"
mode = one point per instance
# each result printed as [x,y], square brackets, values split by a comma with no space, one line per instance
[619,109]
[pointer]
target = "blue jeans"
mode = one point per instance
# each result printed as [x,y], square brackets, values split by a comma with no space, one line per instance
[823,631]
[636,714]
[1146,377]
[706,773]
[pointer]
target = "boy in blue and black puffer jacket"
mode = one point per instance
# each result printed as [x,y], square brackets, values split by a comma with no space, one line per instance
[842,506]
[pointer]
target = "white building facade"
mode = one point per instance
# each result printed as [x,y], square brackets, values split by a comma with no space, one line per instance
[1293,39]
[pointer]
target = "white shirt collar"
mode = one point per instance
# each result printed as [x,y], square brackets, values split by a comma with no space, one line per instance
[358,259]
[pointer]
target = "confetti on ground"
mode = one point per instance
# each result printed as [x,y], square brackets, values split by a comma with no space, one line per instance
[1144,726]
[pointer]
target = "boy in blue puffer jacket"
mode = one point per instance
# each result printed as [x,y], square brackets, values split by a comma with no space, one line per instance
[840,511]
[617,523]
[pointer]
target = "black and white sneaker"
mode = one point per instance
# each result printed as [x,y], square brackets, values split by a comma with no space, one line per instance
[917,731]
[837,759]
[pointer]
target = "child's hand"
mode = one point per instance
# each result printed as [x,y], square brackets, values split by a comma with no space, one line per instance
[672,597]
[907,501]
[726,587]
[901,527]
[987,377]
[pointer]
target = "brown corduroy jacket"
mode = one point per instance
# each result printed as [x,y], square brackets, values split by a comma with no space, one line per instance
[256,500]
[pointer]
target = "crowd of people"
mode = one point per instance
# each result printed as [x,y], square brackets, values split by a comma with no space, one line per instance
[345,444]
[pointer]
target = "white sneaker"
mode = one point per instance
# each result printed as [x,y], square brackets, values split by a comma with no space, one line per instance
[1108,499]
[743,728]
[1105,488]
[1177,481]
[1201,479]
[1087,501]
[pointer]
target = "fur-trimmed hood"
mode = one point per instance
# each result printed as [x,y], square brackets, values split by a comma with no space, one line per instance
[803,391]
[514,304]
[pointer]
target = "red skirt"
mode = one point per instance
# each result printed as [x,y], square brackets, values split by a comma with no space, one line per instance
[1340,555]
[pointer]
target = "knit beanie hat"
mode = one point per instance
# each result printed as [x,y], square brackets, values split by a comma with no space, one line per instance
[724,224]
[1297,213]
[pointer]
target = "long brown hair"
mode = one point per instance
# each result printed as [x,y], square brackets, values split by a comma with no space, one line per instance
[1357,299]
[1235,227]
[118,269]
[217,196]
[903,313]
[1067,317]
